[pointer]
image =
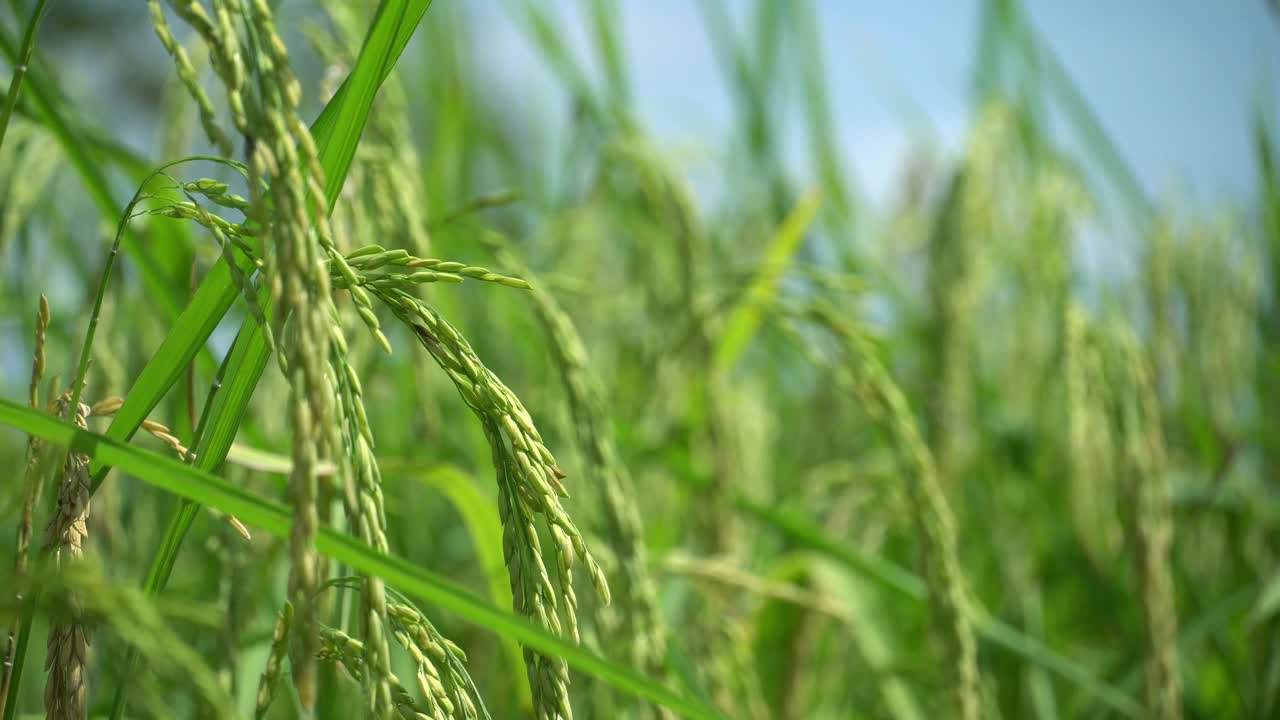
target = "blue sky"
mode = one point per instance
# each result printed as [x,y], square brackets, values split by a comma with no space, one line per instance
[1175,83]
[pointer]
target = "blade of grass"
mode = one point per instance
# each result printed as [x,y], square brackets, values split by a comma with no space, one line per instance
[163,289]
[1035,50]
[228,398]
[203,488]
[606,25]
[745,318]
[20,67]
[338,129]
[825,148]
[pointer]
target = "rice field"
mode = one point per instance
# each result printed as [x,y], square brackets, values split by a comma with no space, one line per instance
[357,393]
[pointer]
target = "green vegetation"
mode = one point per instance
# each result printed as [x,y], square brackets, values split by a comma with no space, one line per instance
[550,433]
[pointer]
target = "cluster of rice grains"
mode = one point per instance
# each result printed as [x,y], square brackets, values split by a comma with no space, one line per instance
[81,599]
[634,623]
[529,481]
[65,694]
[861,371]
[299,263]
[297,253]
[1116,436]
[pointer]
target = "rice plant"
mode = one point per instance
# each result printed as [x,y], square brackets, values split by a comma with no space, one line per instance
[360,391]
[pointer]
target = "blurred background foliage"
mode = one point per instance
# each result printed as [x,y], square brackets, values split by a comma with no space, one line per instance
[1104,434]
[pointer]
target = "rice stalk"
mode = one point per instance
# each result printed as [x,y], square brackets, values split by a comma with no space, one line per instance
[1144,462]
[641,632]
[66,691]
[284,158]
[707,403]
[33,484]
[448,694]
[274,667]
[297,174]
[367,515]
[1219,279]
[362,499]
[932,516]
[529,485]
[187,73]
[20,67]
[349,653]
[1039,246]
[1091,442]
[966,230]
[672,203]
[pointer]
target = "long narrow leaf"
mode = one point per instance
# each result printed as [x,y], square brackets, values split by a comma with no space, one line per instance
[745,318]
[20,68]
[207,489]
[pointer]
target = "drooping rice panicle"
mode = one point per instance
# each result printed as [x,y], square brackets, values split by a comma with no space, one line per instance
[641,631]
[300,292]
[1143,462]
[1091,442]
[187,72]
[529,485]
[368,517]
[445,687]
[339,647]
[929,509]
[66,691]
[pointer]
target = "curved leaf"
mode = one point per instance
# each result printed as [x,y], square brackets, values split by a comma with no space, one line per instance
[206,489]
